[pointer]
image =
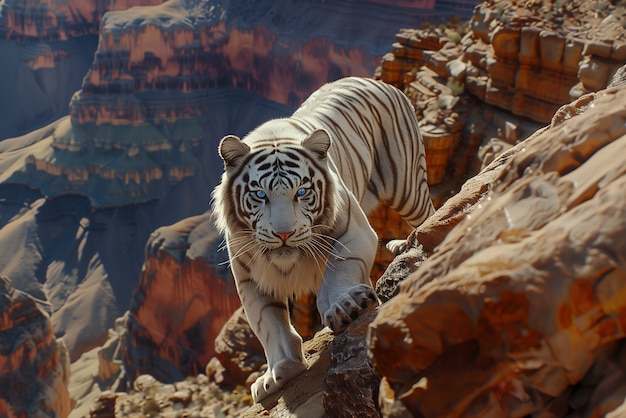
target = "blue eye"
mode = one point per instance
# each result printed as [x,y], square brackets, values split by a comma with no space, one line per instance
[260,194]
[301,191]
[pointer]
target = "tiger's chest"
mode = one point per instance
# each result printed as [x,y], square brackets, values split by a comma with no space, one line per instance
[286,273]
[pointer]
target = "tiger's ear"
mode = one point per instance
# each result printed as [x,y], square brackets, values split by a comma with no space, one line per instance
[318,142]
[231,150]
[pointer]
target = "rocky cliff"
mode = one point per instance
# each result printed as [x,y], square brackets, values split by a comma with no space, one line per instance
[34,365]
[520,307]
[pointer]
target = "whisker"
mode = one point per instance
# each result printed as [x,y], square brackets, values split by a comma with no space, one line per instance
[334,240]
[243,249]
[323,251]
[260,250]
[307,248]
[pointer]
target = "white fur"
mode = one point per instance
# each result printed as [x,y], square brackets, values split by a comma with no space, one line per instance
[281,244]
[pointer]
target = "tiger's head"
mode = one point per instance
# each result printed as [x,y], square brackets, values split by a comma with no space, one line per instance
[277,198]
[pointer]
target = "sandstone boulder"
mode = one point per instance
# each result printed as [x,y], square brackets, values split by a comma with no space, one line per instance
[520,307]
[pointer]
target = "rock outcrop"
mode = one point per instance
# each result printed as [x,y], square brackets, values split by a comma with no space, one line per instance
[181,302]
[34,365]
[525,57]
[520,307]
[532,65]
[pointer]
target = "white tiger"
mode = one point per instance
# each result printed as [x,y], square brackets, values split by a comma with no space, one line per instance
[292,204]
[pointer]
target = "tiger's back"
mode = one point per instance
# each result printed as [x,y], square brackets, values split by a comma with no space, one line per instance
[377,148]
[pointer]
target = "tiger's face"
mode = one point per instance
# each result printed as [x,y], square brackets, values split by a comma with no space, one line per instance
[281,195]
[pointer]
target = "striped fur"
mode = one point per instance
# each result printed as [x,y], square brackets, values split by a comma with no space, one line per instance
[293,201]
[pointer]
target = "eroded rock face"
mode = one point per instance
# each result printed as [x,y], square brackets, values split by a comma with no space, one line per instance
[531,66]
[57,20]
[521,305]
[180,304]
[34,365]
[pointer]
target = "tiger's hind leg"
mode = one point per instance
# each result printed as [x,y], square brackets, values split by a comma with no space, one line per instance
[396,246]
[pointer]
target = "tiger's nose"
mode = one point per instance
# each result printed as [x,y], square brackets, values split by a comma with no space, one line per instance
[284,236]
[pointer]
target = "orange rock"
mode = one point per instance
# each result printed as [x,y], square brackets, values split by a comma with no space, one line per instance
[524,293]
[177,277]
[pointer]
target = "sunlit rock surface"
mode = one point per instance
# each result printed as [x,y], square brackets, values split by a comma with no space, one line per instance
[520,308]
[532,66]
[34,365]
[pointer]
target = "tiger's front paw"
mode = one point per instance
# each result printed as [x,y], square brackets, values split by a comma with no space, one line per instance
[349,307]
[275,378]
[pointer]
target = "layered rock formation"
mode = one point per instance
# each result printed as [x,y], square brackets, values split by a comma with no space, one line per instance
[148,103]
[527,58]
[48,47]
[34,365]
[535,65]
